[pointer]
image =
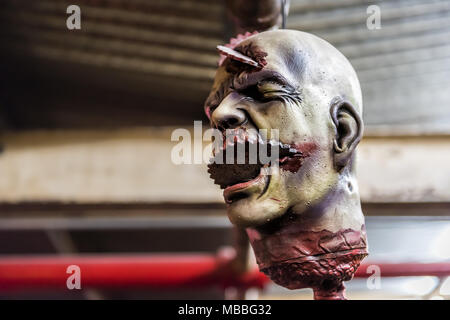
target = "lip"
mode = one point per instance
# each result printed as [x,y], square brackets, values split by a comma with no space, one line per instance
[256,185]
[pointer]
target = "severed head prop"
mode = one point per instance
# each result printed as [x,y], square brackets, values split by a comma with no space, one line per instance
[304,220]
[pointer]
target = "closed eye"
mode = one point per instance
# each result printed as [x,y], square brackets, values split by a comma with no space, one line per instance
[274,90]
[267,91]
[253,93]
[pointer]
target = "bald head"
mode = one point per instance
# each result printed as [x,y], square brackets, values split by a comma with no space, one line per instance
[299,58]
[307,90]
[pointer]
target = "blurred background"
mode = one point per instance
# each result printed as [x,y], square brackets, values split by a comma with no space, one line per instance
[86,118]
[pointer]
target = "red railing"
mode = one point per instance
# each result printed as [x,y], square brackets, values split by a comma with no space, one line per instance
[159,271]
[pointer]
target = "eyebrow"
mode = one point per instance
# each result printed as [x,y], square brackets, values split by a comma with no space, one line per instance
[252,79]
[241,83]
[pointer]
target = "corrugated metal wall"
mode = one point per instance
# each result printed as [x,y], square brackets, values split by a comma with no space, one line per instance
[404,67]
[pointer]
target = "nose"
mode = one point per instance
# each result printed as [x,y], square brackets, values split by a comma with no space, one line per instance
[228,115]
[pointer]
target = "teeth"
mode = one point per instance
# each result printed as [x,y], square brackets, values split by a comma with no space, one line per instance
[226,175]
[242,137]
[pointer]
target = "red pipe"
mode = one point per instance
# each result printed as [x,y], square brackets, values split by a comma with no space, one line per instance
[441,269]
[156,271]
[160,271]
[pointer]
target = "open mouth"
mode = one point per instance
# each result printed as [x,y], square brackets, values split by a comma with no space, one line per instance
[240,165]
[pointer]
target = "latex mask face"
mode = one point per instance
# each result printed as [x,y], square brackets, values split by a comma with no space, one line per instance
[304,221]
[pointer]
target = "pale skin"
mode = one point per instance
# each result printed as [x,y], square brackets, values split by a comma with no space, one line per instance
[304,221]
[304,66]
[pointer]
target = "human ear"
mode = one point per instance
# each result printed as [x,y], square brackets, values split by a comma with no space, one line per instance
[348,131]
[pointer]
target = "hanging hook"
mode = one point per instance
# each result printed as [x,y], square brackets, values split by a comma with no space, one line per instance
[283,14]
